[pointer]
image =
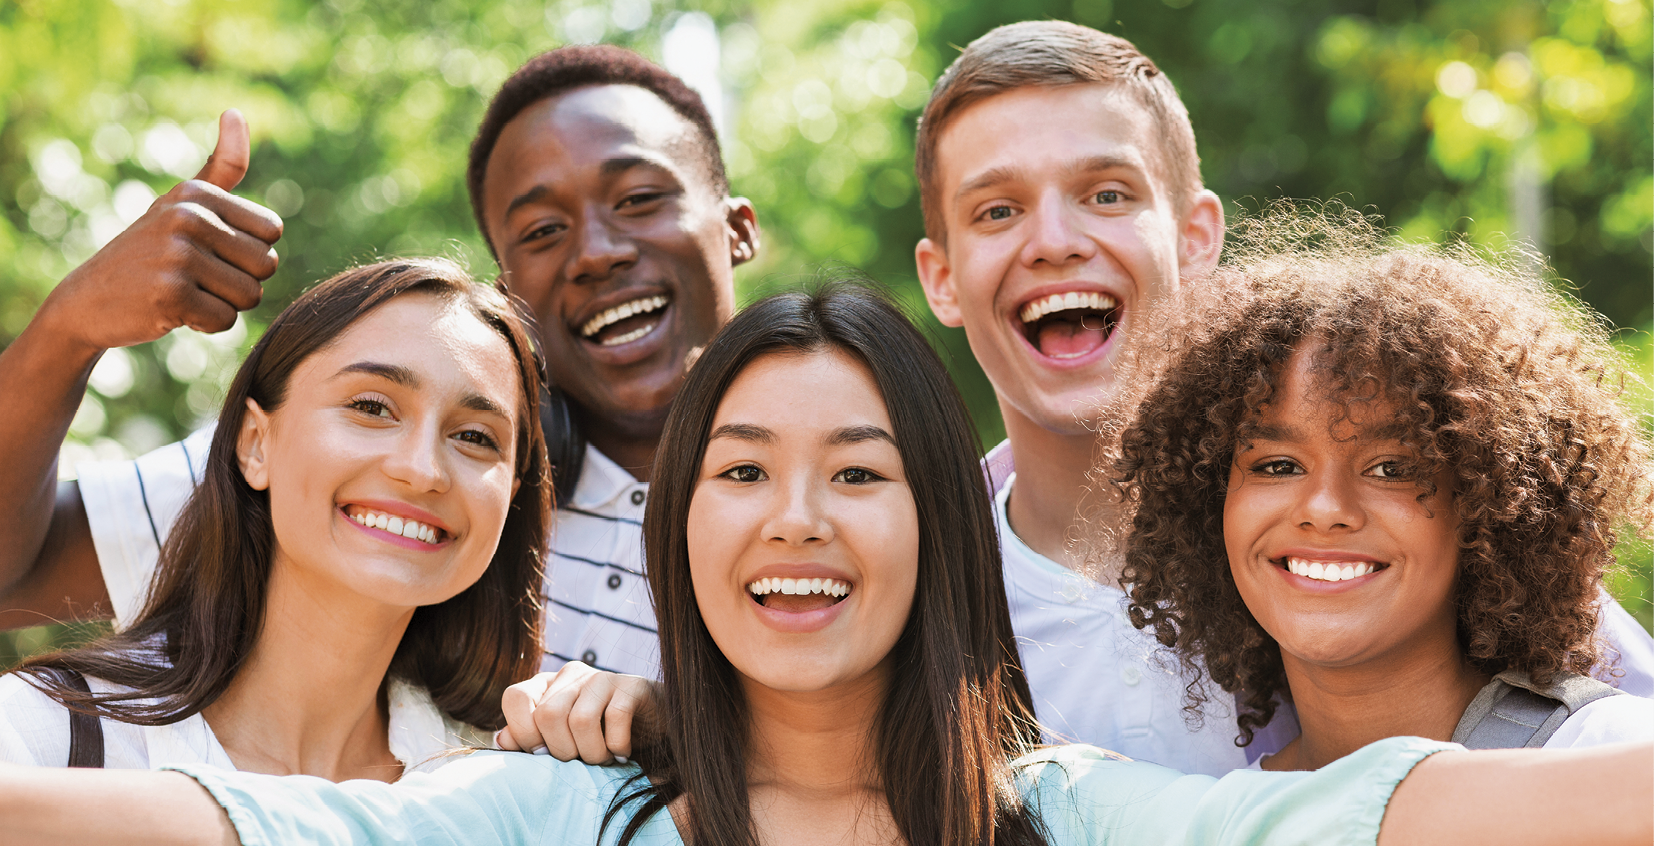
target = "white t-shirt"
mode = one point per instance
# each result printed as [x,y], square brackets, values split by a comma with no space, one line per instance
[35,731]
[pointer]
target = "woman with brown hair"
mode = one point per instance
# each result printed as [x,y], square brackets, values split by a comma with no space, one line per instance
[354,582]
[1383,484]
[839,666]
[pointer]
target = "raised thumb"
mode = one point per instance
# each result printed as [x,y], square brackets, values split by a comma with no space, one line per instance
[228,162]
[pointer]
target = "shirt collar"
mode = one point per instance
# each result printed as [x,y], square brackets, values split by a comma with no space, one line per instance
[602,481]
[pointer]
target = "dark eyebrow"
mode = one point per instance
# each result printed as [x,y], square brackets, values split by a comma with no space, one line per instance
[743,432]
[392,372]
[1273,432]
[858,434]
[531,195]
[621,164]
[407,379]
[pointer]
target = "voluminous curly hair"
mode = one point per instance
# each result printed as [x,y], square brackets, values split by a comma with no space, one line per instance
[1512,387]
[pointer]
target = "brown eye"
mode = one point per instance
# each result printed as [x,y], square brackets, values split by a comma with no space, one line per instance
[856,476]
[744,473]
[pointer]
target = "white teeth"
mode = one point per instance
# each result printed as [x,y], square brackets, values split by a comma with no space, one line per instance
[1328,571]
[799,587]
[403,526]
[1063,302]
[642,305]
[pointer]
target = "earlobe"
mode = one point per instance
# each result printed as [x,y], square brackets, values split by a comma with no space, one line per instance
[1202,237]
[936,277]
[250,446]
[744,232]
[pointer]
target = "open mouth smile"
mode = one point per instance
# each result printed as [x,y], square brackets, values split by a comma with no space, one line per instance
[797,596]
[402,527]
[1329,571]
[626,322]
[1069,325]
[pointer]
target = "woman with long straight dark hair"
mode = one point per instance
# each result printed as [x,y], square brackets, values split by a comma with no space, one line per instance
[840,669]
[354,582]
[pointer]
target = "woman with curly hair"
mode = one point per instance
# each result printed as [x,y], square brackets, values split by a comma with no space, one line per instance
[1383,484]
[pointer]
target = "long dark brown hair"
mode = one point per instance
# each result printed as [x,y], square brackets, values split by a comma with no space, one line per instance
[1511,386]
[208,602]
[958,709]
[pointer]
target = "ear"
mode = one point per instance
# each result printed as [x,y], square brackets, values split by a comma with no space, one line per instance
[743,230]
[251,444]
[936,277]
[1200,241]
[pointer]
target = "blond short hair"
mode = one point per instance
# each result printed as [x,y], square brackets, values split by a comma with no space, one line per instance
[1052,53]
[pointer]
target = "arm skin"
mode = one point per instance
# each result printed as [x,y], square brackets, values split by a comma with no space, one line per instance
[1599,795]
[195,258]
[49,805]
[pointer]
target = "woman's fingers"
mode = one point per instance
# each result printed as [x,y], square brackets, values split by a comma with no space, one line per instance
[518,703]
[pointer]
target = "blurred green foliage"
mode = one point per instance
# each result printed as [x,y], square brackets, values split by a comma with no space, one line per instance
[1477,119]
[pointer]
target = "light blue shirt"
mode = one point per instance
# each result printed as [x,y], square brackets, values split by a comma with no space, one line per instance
[1086,797]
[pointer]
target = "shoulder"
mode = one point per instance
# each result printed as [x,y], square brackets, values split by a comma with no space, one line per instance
[565,801]
[1612,719]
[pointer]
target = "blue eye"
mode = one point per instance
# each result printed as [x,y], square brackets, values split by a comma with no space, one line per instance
[1107,197]
[999,213]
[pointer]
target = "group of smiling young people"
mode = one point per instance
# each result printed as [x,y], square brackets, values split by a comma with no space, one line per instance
[1323,508]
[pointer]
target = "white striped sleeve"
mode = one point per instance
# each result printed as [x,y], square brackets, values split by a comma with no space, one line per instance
[131,506]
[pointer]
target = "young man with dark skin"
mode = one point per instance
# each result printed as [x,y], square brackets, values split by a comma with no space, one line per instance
[597,181]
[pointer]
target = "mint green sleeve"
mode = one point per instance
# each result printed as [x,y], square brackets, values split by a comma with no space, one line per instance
[1087,797]
[483,797]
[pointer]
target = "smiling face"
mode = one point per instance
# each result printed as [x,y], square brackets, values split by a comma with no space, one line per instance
[390,463]
[803,535]
[606,222]
[1060,225]
[1330,546]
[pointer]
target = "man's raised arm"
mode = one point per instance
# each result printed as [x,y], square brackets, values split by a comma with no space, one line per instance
[195,258]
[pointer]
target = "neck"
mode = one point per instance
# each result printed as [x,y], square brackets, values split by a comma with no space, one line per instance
[1342,709]
[812,764]
[1051,472]
[308,698]
[630,446]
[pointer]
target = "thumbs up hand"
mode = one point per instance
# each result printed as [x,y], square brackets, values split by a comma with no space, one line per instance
[195,258]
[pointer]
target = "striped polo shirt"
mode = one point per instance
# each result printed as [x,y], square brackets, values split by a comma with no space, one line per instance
[596,599]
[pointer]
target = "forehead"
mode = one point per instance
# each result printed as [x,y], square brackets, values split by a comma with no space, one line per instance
[814,391]
[1046,129]
[585,127]
[441,340]
[1309,392]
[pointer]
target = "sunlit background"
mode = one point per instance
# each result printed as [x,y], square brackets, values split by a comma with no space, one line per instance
[1487,120]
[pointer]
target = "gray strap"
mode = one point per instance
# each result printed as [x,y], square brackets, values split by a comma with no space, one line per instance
[1513,713]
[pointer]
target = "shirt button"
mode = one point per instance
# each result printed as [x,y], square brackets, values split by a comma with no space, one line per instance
[614,581]
[589,657]
[1130,675]
[637,497]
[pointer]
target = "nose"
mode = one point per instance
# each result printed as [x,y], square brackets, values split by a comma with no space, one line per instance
[601,249]
[419,459]
[1329,503]
[796,517]
[1055,234]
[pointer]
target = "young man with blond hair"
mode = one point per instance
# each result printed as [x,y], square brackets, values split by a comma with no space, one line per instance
[1062,193]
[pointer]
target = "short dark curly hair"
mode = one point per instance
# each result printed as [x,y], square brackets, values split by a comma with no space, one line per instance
[1510,386]
[567,68]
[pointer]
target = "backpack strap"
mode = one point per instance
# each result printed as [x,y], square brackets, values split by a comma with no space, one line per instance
[1511,712]
[85,730]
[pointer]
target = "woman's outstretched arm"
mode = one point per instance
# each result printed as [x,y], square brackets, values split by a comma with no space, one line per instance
[49,805]
[1599,795]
